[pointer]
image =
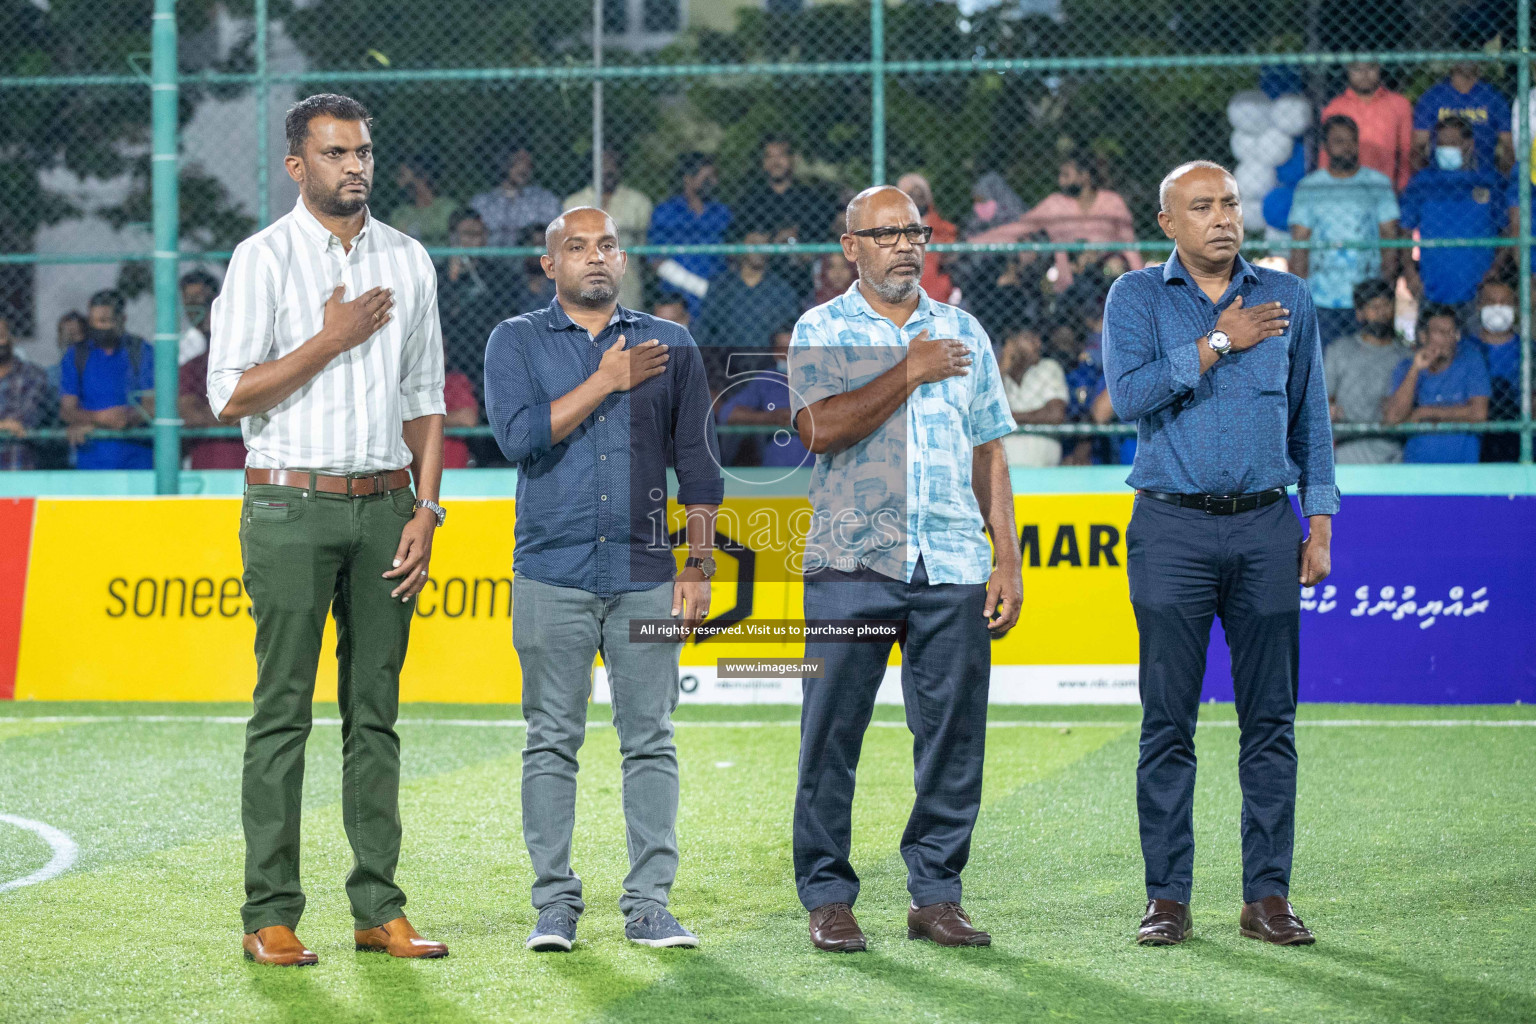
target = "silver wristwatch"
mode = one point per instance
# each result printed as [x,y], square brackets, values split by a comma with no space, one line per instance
[1220,342]
[434,508]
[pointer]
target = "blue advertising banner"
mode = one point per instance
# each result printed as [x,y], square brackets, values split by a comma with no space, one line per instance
[1432,601]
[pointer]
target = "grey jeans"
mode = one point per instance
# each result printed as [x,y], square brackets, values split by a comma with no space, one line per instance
[557,631]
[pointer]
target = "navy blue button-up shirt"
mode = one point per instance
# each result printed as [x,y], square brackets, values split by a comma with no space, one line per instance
[591,510]
[1257,419]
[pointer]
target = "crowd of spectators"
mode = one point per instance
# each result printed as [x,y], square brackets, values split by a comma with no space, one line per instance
[1443,167]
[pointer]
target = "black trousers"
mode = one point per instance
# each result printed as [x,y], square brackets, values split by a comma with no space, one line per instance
[1185,568]
[945,668]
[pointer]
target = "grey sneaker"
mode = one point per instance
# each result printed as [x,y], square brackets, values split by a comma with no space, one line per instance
[659,928]
[556,929]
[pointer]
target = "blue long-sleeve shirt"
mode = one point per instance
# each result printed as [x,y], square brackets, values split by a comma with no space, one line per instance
[1257,419]
[591,510]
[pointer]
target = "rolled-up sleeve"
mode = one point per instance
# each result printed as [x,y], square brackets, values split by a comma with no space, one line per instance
[240,332]
[815,372]
[695,449]
[421,357]
[1310,437]
[989,415]
[518,416]
[1140,380]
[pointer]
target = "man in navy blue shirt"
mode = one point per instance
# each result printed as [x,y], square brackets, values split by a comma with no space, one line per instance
[593,402]
[1455,197]
[1445,381]
[1219,365]
[1463,94]
[691,218]
[107,381]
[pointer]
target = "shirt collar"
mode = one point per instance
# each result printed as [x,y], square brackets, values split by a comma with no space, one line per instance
[321,235]
[1174,270]
[560,320]
[854,303]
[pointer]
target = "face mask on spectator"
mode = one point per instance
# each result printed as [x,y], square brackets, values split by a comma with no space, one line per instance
[1377,328]
[1448,158]
[1497,319]
[100,336]
[1074,190]
[986,209]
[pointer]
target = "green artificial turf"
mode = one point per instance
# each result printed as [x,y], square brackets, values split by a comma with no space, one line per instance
[1415,863]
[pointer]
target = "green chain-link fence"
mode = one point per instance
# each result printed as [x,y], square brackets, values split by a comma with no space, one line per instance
[142,139]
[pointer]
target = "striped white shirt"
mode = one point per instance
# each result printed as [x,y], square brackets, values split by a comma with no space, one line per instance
[348,417]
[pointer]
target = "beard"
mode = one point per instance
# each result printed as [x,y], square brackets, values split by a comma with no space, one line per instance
[332,203]
[1344,163]
[895,290]
[594,293]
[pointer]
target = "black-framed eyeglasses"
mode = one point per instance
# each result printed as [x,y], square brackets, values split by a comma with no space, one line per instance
[916,234]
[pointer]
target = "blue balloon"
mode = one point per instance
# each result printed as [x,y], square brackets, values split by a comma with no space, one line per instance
[1295,168]
[1277,80]
[1277,206]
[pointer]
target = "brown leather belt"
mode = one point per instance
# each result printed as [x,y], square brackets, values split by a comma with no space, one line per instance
[351,486]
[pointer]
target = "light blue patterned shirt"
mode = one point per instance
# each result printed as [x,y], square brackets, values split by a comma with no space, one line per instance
[905,490]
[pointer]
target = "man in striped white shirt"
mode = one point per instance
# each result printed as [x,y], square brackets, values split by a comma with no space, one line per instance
[326,350]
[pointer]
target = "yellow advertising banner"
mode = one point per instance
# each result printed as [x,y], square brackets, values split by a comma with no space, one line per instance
[142,599]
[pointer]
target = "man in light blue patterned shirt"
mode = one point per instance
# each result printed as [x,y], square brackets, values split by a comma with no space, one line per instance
[901,400]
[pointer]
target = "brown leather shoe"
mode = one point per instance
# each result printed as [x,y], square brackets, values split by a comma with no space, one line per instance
[1271,919]
[277,946]
[398,938]
[945,923]
[1166,923]
[834,929]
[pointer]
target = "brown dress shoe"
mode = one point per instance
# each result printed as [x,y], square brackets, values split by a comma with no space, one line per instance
[398,938]
[945,923]
[834,929]
[1166,923]
[277,946]
[1271,919]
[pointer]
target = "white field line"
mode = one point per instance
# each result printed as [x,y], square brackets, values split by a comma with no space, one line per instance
[512,723]
[64,852]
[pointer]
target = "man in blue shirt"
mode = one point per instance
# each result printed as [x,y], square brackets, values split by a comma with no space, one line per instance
[901,399]
[1342,202]
[1219,365]
[1455,197]
[1496,338]
[1464,95]
[1444,382]
[758,395]
[691,218]
[593,402]
[107,381]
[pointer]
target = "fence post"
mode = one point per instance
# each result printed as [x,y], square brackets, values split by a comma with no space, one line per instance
[877,92]
[163,168]
[1523,169]
[597,104]
[263,123]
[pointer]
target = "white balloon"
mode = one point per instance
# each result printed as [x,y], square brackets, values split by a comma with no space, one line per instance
[1246,146]
[1249,111]
[1291,114]
[1273,148]
[1254,180]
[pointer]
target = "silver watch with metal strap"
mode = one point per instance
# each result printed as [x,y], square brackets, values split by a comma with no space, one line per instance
[1220,342]
[433,507]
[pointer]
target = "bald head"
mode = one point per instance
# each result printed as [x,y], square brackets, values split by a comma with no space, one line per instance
[1196,172]
[583,220]
[1203,213]
[877,205]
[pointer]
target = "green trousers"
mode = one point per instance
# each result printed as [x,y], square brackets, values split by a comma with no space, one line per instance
[306,554]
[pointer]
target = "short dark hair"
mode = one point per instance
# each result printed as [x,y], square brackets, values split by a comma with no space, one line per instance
[461,215]
[1340,121]
[669,299]
[201,277]
[1085,161]
[325,104]
[1461,124]
[424,165]
[74,315]
[111,298]
[776,139]
[1436,310]
[1371,289]
[690,163]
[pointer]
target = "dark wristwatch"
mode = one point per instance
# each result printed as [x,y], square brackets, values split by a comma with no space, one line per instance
[706,565]
[433,507]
